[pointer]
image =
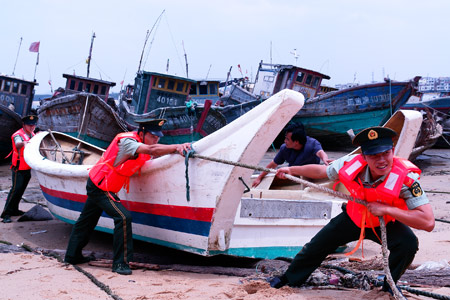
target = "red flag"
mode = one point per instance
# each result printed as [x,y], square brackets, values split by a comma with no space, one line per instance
[240,70]
[34,47]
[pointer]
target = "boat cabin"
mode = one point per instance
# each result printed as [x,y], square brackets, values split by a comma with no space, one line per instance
[154,90]
[17,94]
[76,84]
[326,89]
[205,89]
[272,78]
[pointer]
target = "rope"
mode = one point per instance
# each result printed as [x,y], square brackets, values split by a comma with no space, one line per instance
[435,110]
[293,178]
[190,153]
[441,220]
[424,293]
[387,271]
[389,279]
[59,147]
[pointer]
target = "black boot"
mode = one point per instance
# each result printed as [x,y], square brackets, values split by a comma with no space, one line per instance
[278,281]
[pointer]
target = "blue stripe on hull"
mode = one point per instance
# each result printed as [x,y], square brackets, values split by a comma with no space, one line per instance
[254,252]
[164,222]
[339,124]
[267,252]
[144,238]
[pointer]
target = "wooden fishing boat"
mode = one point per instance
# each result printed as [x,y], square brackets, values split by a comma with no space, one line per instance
[440,111]
[235,94]
[16,98]
[11,122]
[157,95]
[84,116]
[214,215]
[330,116]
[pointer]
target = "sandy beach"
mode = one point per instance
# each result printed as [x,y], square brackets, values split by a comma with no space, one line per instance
[37,275]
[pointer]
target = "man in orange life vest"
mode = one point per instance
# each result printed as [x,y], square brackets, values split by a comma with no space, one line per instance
[21,172]
[390,186]
[125,156]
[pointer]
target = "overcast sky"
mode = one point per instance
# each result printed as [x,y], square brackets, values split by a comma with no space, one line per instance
[349,40]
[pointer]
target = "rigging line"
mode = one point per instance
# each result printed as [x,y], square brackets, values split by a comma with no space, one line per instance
[101,70]
[155,26]
[174,45]
[434,109]
[17,56]
[147,35]
[75,65]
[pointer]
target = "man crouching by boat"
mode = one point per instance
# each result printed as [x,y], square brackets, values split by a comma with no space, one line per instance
[390,186]
[126,154]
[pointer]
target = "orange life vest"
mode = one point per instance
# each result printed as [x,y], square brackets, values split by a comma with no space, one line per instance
[18,160]
[386,192]
[111,179]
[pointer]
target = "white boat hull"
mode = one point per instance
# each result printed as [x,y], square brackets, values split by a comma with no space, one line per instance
[218,218]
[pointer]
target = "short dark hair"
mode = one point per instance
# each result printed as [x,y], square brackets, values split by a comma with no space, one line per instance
[298,132]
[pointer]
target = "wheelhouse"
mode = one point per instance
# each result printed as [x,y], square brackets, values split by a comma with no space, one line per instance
[154,90]
[203,90]
[17,94]
[77,84]
[273,78]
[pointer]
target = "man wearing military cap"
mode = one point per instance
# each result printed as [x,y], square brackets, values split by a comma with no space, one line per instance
[126,154]
[21,171]
[390,186]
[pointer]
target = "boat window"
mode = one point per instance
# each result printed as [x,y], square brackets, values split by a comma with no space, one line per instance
[193,90]
[308,79]
[187,87]
[171,85]
[203,90]
[268,78]
[300,76]
[161,83]
[80,86]
[213,89]
[180,86]
[15,87]
[24,89]
[72,85]
[7,86]
[88,87]
[1,82]
[103,90]
[316,81]
[96,89]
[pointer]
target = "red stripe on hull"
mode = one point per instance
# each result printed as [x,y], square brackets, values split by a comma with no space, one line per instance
[183,212]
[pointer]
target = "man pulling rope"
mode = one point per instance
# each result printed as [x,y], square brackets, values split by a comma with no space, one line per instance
[391,194]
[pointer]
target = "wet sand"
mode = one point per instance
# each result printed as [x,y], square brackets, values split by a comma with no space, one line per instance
[35,276]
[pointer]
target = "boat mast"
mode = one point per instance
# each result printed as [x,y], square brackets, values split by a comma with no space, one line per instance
[207,74]
[20,44]
[90,54]
[185,59]
[226,82]
[146,39]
